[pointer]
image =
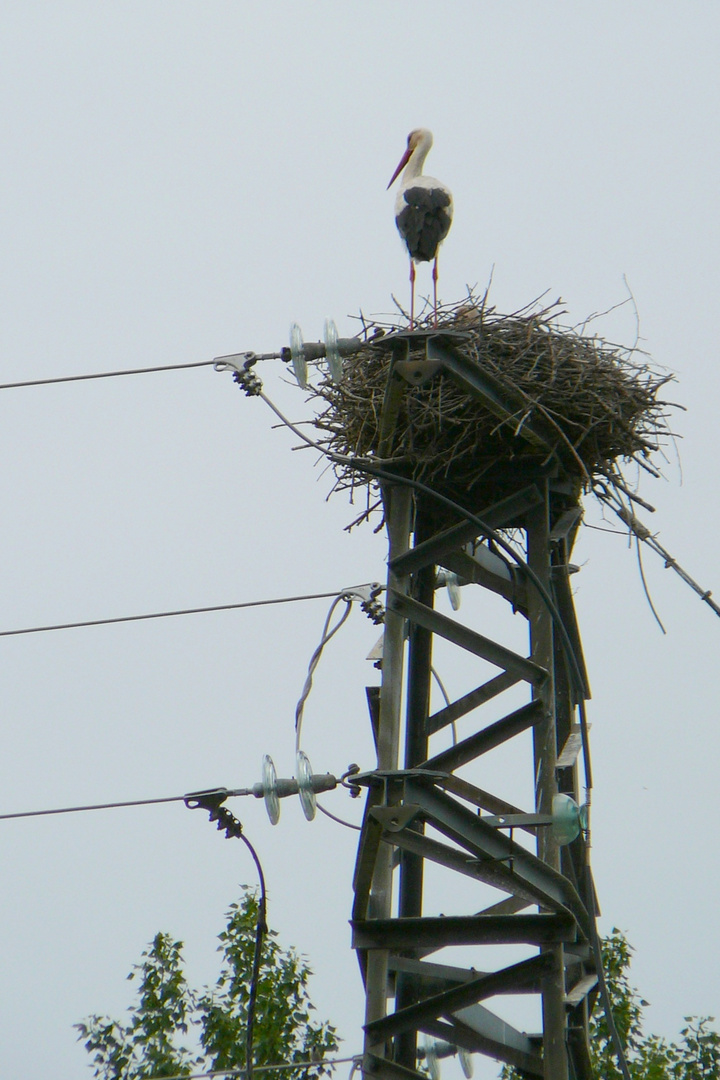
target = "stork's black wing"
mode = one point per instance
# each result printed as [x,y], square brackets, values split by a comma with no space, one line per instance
[424,221]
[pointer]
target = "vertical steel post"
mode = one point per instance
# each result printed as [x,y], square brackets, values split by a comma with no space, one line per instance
[419,676]
[542,651]
[398,508]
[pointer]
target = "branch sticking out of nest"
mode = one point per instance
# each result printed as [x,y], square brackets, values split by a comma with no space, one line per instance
[595,403]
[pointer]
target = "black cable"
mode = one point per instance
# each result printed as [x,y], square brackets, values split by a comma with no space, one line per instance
[105,374]
[389,477]
[339,821]
[596,946]
[370,469]
[418,485]
[260,931]
[569,651]
[212,801]
[574,665]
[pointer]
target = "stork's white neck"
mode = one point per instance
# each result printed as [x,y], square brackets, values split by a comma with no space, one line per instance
[414,166]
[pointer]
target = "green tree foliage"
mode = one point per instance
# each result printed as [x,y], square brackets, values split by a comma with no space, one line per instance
[696,1056]
[168,1013]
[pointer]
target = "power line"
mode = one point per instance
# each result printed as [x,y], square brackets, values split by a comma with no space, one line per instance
[323,1062]
[182,611]
[327,634]
[372,468]
[96,806]
[261,930]
[106,374]
[190,797]
[340,821]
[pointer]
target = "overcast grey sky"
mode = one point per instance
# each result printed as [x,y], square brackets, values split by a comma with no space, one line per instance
[182,180]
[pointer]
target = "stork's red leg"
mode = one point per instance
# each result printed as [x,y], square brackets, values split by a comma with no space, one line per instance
[412,294]
[435,279]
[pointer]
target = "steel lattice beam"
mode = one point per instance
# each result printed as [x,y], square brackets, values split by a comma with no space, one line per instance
[426,815]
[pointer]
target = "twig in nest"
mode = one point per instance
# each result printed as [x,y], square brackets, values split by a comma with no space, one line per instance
[596,403]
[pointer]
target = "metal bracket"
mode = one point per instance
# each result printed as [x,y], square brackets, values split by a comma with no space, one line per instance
[418,372]
[395,818]
[517,821]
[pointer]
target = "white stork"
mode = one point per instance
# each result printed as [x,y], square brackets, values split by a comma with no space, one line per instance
[423,210]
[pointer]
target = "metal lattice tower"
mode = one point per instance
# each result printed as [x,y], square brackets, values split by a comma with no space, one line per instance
[420,810]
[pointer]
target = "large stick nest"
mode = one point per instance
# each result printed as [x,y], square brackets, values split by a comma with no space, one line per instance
[596,405]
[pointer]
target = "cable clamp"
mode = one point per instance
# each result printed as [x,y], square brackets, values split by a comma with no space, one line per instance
[241,365]
[368,597]
[212,801]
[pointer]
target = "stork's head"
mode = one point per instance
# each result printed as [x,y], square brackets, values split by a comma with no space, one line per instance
[420,140]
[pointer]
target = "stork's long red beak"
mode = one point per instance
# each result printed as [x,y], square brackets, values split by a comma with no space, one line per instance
[403,162]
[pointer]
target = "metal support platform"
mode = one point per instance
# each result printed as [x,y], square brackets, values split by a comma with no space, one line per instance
[425,812]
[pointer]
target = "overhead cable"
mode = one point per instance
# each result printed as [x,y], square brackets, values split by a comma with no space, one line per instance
[370,468]
[446,699]
[338,820]
[261,929]
[192,799]
[182,611]
[105,374]
[95,806]
[641,532]
[284,1065]
[378,472]
[212,801]
[327,634]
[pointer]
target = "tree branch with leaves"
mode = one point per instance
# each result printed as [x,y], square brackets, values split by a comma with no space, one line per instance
[696,1056]
[168,1013]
